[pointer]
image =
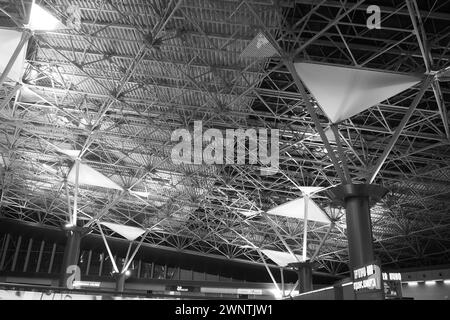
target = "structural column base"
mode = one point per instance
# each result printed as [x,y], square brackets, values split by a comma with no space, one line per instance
[71,256]
[120,281]
[304,272]
[357,200]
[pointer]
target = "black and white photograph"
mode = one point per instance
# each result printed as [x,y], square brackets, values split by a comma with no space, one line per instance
[224,158]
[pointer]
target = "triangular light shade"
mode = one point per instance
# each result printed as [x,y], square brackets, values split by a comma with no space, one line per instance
[9,39]
[310,190]
[28,96]
[130,233]
[41,19]
[281,258]
[71,153]
[343,92]
[296,209]
[259,47]
[143,194]
[92,177]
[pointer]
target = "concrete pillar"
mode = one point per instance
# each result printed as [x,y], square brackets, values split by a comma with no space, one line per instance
[120,282]
[304,272]
[71,254]
[357,199]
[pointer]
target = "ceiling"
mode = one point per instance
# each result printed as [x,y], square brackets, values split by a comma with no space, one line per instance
[136,70]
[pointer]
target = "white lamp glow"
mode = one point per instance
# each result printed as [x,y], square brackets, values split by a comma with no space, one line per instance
[41,19]
[278,295]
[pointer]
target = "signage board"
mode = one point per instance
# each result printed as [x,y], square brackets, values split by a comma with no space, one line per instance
[367,278]
[392,285]
[86,284]
[183,288]
[249,291]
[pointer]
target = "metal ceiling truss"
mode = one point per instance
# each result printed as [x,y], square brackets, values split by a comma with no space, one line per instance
[118,87]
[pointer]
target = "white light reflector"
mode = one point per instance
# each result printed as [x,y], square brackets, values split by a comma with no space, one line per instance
[128,232]
[9,39]
[310,190]
[296,209]
[90,176]
[343,92]
[41,19]
[71,153]
[281,258]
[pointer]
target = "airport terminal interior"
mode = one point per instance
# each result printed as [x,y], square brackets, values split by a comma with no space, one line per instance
[224,149]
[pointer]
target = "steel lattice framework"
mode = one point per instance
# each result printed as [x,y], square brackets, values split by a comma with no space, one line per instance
[137,70]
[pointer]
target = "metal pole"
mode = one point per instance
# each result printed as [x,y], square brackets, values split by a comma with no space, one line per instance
[274,228]
[125,268]
[69,207]
[305,225]
[401,126]
[322,242]
[41,250]
[341,152]
[294,287]
[52,258]
[88,266]
[108,249]
[127,255]
[2,262]
[16,254]
[75,199]
[268,270]
[27,257]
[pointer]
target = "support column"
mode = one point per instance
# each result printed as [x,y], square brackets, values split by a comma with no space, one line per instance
[304,272]
[71,254]
[357,199]
[120,282]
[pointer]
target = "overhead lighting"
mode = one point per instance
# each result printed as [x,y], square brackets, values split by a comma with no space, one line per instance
[447,281]
[429,283]
[412,283]
[246,246]
[347,284]
[277,294]
[41,19]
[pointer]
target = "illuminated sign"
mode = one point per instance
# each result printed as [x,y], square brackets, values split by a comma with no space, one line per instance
[249,291]
[370,283]
[183,289]
[392,276]
[367,278]
[392,285]
[180,288]
[86,284]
